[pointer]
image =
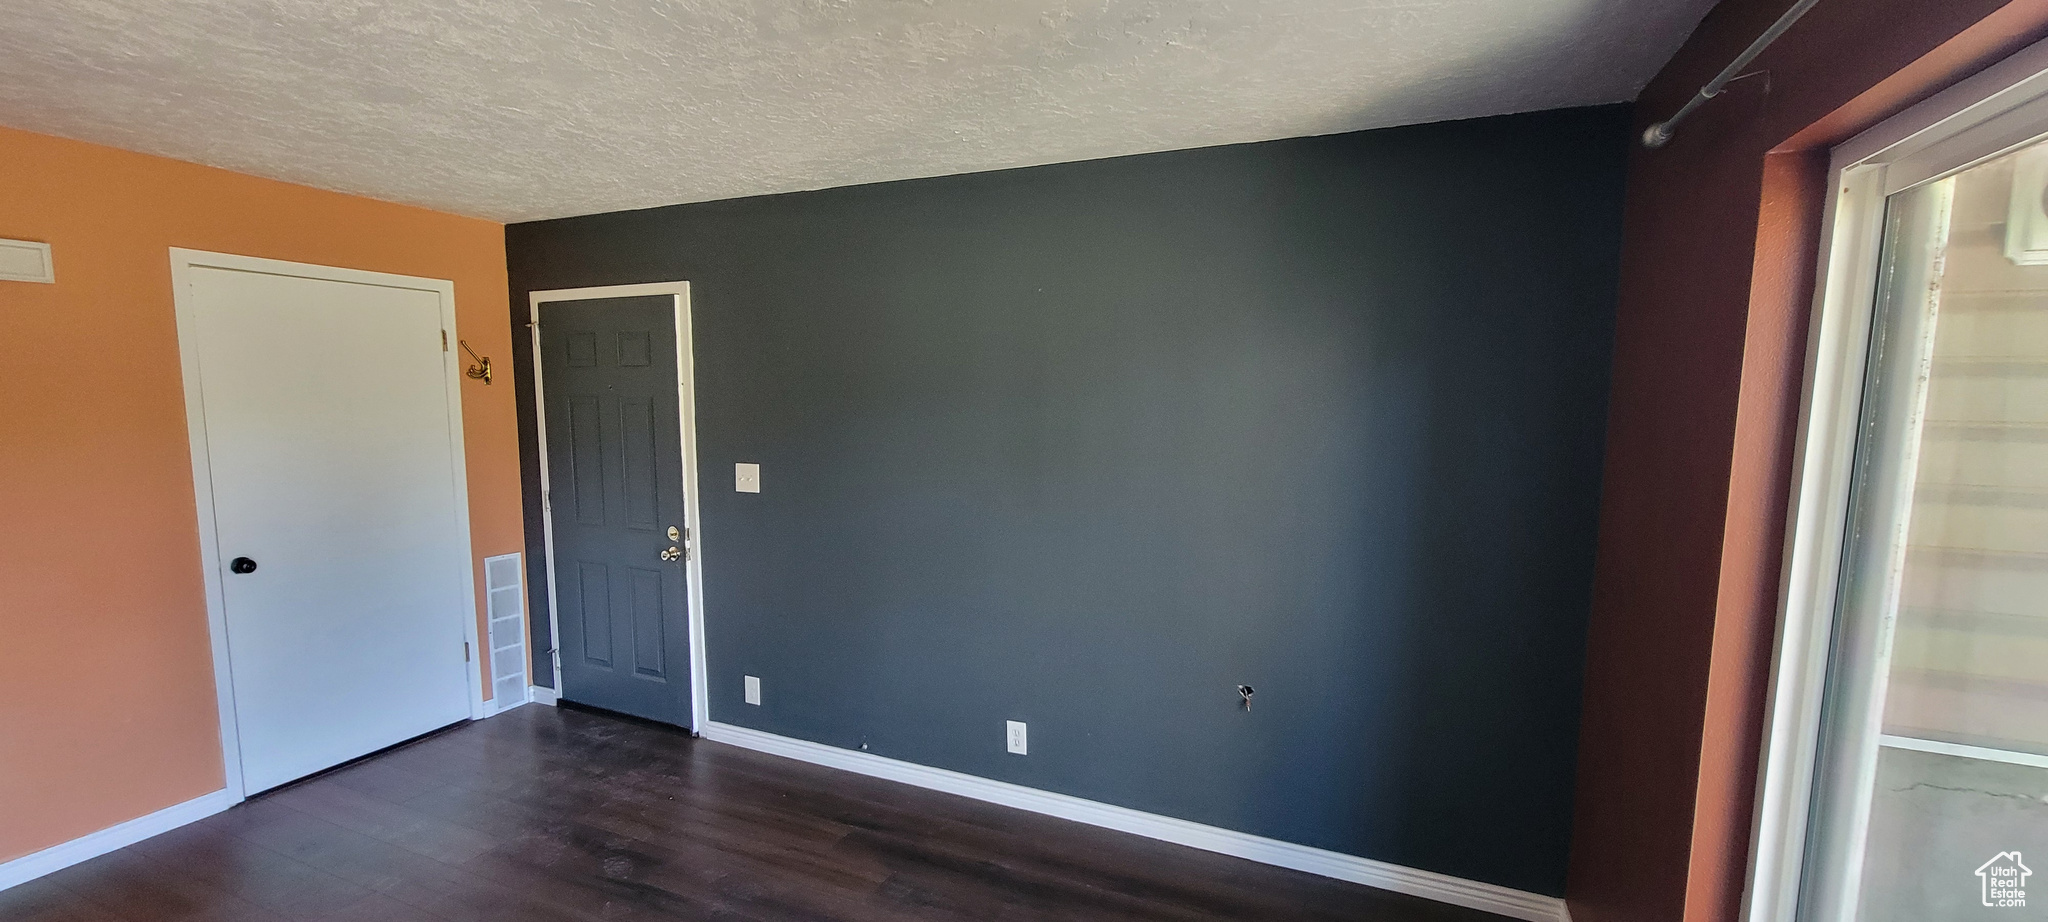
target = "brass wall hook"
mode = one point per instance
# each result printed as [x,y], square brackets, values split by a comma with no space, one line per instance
[482,369]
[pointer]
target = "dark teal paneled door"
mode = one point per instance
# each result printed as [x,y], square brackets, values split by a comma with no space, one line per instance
[615,501]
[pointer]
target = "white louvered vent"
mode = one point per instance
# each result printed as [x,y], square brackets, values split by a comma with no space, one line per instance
[505,606]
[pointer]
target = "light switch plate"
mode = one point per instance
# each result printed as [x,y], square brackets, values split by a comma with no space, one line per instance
[746,478]
[26,261]
[753,690]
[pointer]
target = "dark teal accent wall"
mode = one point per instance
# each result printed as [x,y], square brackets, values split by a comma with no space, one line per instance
[1088,445]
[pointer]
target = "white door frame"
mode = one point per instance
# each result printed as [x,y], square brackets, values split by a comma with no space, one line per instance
[183,262]
[1986,116]
[693,565]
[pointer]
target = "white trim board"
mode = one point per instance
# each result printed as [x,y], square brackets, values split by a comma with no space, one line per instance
[87,847]
[1443,888]
[539,695]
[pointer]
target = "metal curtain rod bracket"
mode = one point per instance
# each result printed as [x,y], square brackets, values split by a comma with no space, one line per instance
[1660,134]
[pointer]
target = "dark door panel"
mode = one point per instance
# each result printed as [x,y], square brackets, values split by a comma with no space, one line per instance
[615,473]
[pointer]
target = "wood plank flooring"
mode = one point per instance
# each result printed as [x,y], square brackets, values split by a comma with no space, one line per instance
[558,815]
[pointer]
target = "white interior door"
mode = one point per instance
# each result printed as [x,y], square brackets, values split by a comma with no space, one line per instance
[333,468]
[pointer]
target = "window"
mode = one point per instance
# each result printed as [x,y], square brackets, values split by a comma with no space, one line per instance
[1907,768]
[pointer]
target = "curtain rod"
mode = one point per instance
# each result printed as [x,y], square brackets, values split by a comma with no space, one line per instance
[1659,134]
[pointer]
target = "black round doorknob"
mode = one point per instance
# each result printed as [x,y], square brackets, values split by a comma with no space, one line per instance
[242,565]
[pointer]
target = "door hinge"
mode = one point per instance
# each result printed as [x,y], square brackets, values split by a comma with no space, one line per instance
[444,340]
[465,651]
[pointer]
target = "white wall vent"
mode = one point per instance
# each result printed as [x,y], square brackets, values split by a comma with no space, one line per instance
[26,261]
[505,611]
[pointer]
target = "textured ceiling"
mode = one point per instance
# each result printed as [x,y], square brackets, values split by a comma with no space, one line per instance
[522,109]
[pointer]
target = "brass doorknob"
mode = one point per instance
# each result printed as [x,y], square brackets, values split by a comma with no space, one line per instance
[673,553]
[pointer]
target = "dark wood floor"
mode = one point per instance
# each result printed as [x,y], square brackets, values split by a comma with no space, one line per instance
[546,814]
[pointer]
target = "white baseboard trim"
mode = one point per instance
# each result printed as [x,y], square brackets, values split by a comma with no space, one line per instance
[1471,894]
[85,848]
[539,695]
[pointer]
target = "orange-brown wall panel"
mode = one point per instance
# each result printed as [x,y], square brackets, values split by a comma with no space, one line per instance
[111,710]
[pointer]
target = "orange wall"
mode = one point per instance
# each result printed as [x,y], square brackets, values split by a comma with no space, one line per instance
[110,711]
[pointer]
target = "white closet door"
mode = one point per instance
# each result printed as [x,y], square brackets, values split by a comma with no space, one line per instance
[333,470]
